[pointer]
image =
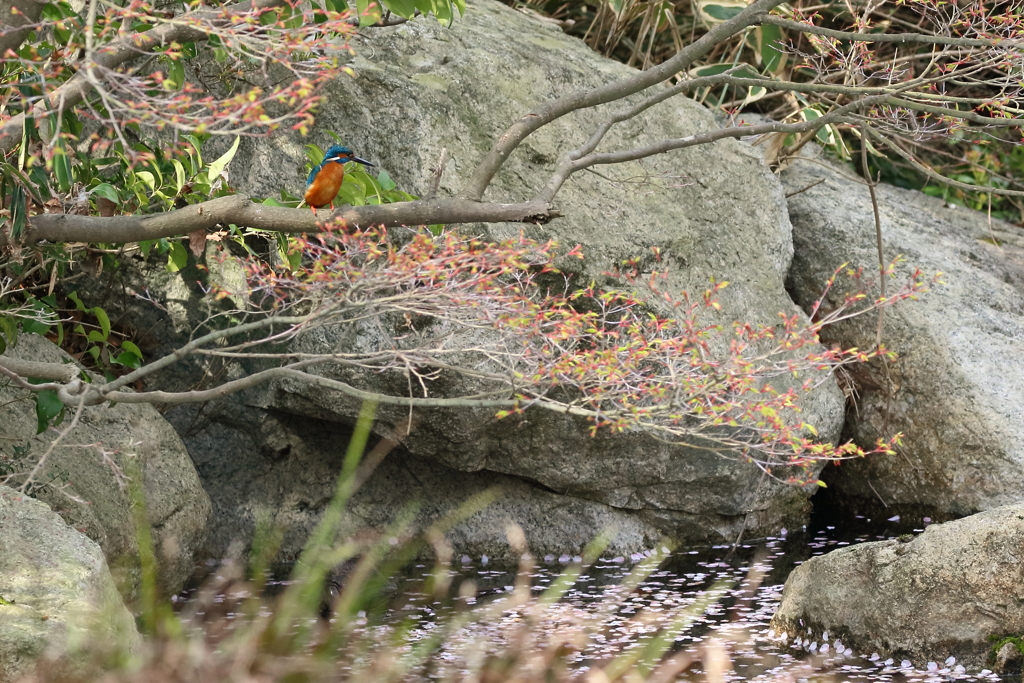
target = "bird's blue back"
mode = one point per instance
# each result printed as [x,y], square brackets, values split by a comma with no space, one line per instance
[330,155]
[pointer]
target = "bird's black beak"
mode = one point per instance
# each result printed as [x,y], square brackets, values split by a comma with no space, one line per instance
[364,162]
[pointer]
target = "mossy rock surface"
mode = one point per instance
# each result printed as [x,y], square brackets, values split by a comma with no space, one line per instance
[58,593]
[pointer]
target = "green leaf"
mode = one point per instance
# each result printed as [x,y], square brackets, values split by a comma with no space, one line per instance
[425,6]
[351,192]
[145,246]
[34,327]
[218,166]
[177,258]
[196,145]
[179,175]
[754,94]
[51,12]
[386,183]
[101,315]
[148,178]
[62,36]
[744,71]
[19,211]
[770,37]
[127,359]
[175,75]
[62,167]
[403,8]
[720,11]
[810,113]
[369,12]
[107,191]
[314,154]
[79,306]
[48,407]
[130,346]
[443,11]
[96,337]
[9,329]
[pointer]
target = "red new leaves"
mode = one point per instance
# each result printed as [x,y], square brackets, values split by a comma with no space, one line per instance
[515,329]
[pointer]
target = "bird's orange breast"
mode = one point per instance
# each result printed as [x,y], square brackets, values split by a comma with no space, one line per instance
[325,185]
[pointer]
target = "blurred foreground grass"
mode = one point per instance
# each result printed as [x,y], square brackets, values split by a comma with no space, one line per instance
[339,619]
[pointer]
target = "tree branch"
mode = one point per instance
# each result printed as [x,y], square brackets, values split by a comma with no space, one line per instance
[555,109]
[289,372]
[240,210]
[29,368]
[766,18]
[567,168]
[955,113]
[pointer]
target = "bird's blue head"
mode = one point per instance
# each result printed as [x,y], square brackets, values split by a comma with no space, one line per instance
[342,155]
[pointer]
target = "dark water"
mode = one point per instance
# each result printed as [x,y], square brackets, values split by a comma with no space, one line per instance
[747,582]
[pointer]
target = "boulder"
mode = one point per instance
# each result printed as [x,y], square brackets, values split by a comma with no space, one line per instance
[714,212]
[953,591]
[957,390]
[84,477]
[56,593]
[285,472]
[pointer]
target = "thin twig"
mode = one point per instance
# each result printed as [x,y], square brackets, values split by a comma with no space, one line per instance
[804,189]
[871,182]
[435,180]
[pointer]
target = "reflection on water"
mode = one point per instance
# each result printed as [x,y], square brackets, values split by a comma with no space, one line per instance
[717,603]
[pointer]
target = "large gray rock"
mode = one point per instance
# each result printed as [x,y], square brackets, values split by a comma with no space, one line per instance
[714,212]
[56,593]
[284,472]
[926,598]
[957,390]
[80,483]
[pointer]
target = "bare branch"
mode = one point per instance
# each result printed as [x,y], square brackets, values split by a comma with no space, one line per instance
[879,247]
[566,169]
[290,372]
[29,368]
[555,109]
[955,113]
[766,18]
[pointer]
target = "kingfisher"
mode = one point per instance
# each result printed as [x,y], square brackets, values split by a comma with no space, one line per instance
[324,180]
